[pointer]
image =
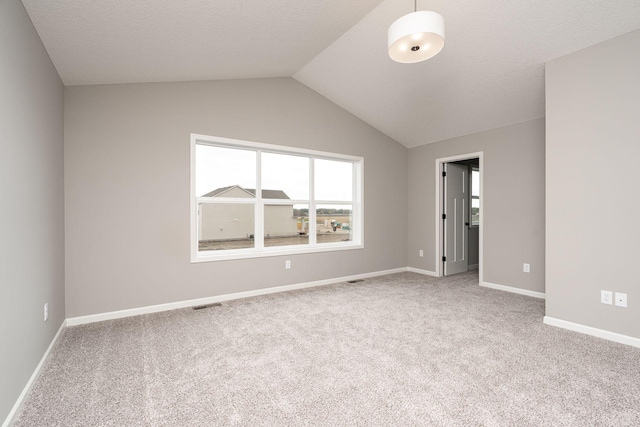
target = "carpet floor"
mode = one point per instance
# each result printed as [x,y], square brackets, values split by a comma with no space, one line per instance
[402,349]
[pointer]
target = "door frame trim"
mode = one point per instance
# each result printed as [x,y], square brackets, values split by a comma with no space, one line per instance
[438,226]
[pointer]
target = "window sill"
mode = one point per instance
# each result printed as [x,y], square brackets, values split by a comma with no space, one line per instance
[211,256]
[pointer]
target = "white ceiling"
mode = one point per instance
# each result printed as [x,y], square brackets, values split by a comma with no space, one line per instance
[133,41]
[489,74]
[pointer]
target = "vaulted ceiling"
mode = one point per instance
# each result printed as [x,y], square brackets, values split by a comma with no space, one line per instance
[489,74]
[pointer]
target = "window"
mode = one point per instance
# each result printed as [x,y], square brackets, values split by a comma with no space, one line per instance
[251,200]
[475,196]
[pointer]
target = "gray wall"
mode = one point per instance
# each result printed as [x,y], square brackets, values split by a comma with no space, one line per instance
[127,188]
[31,190]
[512,202]
[593,146]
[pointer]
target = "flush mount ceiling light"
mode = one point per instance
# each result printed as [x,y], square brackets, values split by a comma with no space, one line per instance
[416,37]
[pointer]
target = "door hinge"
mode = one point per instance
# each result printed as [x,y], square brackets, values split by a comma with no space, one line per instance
[444,216]
[444,258]
[444,173]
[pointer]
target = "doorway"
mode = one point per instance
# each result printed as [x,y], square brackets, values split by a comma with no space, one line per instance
[459,231]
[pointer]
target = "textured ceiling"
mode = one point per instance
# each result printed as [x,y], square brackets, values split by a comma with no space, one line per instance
[131,41]
[489,74]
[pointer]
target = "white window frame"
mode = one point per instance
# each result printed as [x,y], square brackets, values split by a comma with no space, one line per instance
[357,226]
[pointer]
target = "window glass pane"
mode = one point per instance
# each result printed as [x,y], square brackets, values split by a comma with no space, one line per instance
[475,211]
[475,183]
[334,223]
[475,197]
[333,180]
[286,225]
[225,172]
[225,226]
[285,176]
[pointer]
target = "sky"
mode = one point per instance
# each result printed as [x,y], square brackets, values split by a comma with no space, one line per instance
[218,167]
[475,188]
[475,182]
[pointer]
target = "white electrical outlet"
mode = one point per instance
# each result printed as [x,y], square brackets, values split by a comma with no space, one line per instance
[526,267]
[287,264]
[46,311]
[421,252]
[606,297]
[621,299]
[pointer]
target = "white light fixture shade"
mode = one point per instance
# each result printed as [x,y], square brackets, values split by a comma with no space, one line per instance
[416,37]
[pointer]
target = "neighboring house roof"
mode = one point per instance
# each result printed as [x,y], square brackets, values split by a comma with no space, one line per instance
[266,194]
[218,191]
[270,194]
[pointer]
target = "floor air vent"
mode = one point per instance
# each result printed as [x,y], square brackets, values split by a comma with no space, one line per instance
[355,281]
[200,307]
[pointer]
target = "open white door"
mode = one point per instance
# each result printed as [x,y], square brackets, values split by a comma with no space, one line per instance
[455,218]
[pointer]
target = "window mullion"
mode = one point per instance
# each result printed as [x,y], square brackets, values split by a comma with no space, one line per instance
[312,204]
[259,206]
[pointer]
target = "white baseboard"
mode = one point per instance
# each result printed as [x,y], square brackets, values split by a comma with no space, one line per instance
[514,290]
[473,267]
[588,330]
[27,388]
[420,271]
[81,320]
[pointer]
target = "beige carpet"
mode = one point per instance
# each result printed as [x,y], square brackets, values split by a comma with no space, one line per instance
[403,349]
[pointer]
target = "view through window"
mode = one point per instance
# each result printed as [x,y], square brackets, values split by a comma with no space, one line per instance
[475,196]
[254,199]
